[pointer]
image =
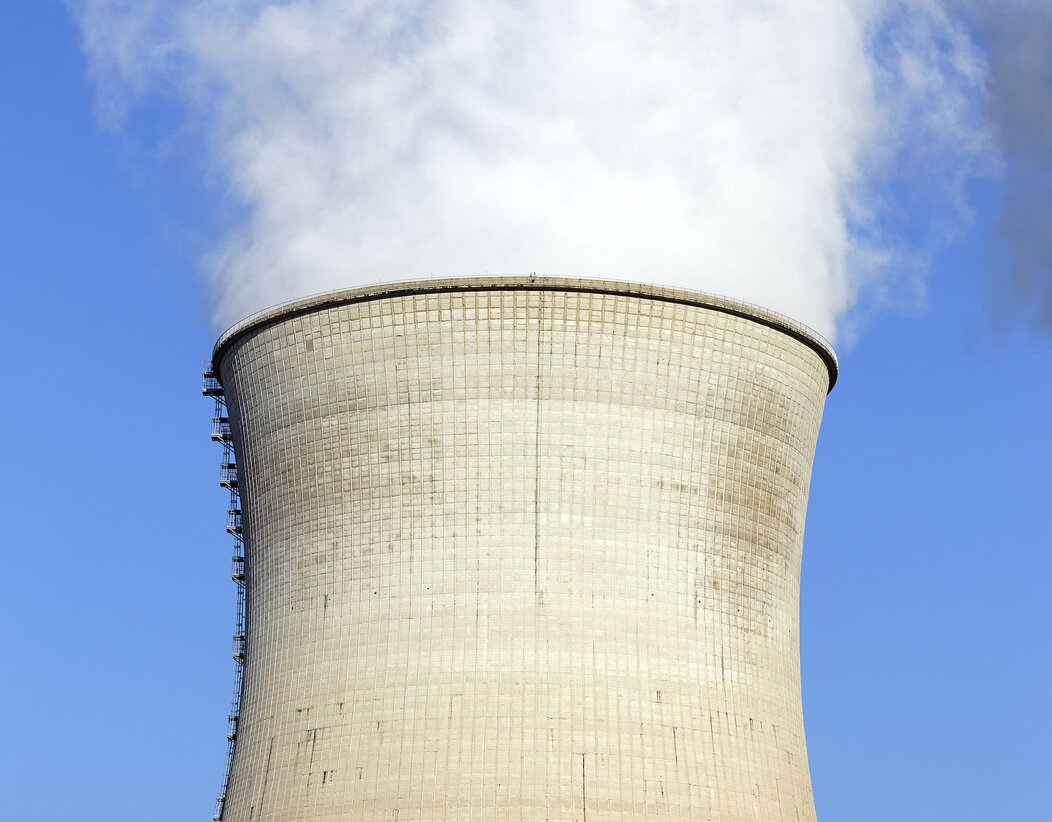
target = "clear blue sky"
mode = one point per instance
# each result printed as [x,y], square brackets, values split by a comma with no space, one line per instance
[927,663]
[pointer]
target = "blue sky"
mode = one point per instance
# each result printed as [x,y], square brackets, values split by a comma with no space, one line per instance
[927,665]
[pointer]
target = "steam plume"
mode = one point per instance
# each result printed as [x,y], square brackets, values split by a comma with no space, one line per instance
[767,151]
[1017,35]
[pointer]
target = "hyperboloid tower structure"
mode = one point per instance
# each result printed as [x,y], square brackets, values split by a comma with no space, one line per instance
[518,549]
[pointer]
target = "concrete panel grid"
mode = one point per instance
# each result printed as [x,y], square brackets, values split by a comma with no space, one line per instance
[522,550]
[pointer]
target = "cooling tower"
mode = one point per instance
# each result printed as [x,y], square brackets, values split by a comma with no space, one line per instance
[520,549]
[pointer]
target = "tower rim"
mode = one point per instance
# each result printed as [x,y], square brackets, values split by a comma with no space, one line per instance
[379,291]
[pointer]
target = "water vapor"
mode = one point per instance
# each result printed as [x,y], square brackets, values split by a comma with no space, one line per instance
[1017,36]
[802,154]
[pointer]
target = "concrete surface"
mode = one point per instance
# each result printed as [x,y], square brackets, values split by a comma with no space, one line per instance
[518,550]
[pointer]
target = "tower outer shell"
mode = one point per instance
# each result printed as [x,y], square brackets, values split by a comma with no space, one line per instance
[522,549]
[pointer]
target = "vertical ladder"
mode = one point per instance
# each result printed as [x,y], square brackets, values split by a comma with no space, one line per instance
[211,387]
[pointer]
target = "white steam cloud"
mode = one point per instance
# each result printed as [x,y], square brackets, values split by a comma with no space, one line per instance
[802,154]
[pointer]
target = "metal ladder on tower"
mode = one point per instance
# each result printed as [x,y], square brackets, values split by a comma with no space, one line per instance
[228,478]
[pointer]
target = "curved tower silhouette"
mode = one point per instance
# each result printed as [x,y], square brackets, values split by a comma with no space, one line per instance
[520,549]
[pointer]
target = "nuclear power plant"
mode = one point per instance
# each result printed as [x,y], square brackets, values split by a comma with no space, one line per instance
[517,549]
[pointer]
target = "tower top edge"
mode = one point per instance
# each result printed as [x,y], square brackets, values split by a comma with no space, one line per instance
[644,291]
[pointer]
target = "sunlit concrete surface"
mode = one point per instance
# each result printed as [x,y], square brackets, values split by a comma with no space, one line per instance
[522,550]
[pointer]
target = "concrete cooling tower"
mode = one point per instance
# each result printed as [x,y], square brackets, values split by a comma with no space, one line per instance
[518,549]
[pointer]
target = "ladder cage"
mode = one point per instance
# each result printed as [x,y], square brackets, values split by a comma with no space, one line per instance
[220,432]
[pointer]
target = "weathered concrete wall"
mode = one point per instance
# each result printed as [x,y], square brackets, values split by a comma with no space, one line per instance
[522,554]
